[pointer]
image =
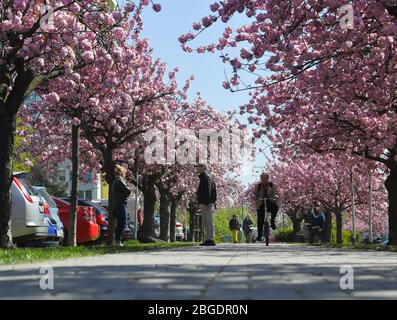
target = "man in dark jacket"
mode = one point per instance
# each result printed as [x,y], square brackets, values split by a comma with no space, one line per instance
[206,198]
[120,194]
[234,226]
[265,190]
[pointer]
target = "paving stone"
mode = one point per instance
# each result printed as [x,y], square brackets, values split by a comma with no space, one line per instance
[248,271]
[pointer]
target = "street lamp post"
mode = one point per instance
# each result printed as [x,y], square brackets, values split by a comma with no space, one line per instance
[136,202]
[242,220]
[353,209]
[228,214]
[370,238]
[185,214]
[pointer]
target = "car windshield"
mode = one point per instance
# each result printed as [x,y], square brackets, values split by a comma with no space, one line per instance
[101,210]
[27,186]
[87,203]
[43,192]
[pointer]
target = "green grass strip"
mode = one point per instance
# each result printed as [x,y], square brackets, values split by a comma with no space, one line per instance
[29,255]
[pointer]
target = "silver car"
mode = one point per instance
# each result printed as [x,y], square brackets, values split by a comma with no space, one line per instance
[53,209]
[179,231]
[28,222]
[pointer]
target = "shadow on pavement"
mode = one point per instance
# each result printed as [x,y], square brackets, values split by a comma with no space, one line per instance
[175,281]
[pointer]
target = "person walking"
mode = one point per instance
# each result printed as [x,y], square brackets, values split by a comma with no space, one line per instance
[247,228]
[120,194]
[206,198]
[265,190]
[234,226]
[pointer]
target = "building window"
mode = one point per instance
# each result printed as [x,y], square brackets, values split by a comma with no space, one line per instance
[88,195]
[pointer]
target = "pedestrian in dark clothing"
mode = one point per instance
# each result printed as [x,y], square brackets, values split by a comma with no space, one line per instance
[317,219]
[234,226]
[265,190]
[120,194]
[316,223]
[247,228]
[206,198]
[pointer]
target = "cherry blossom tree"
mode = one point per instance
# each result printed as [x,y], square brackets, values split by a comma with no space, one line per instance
[41,40]
[327,179]
[323,76]
[173,175]
[101,96]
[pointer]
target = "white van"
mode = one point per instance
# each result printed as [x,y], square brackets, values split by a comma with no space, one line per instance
[28,222]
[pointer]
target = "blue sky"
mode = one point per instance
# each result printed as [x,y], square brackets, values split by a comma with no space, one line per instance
[163,29]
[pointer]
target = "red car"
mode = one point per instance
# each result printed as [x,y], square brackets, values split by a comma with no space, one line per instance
[88,229]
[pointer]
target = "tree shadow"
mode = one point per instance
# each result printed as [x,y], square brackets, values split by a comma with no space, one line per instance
[200,281]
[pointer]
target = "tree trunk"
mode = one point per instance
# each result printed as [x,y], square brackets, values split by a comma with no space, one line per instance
[22,85]
[149,192]
[173,220]
[391,186]
[296,225]
[328,226]
[339,225]
[7,133]
[164,216]
[192,223]
[72,240]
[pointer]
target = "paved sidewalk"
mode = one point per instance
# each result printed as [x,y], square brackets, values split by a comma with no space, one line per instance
[249,271]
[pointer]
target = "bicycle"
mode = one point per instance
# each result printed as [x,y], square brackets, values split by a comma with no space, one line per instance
[266,224]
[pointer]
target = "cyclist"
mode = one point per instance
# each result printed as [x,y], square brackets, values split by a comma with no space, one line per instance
[265,189]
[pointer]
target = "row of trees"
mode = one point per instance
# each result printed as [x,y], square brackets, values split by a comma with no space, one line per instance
[40,41]
[339,186]
[338,183]
[96,91]
[321,85]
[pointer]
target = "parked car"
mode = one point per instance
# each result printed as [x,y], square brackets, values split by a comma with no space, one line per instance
[88,229]
[179,231]
[51,209]
[102,215]
[29,223]
[129,231]
[103,203]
